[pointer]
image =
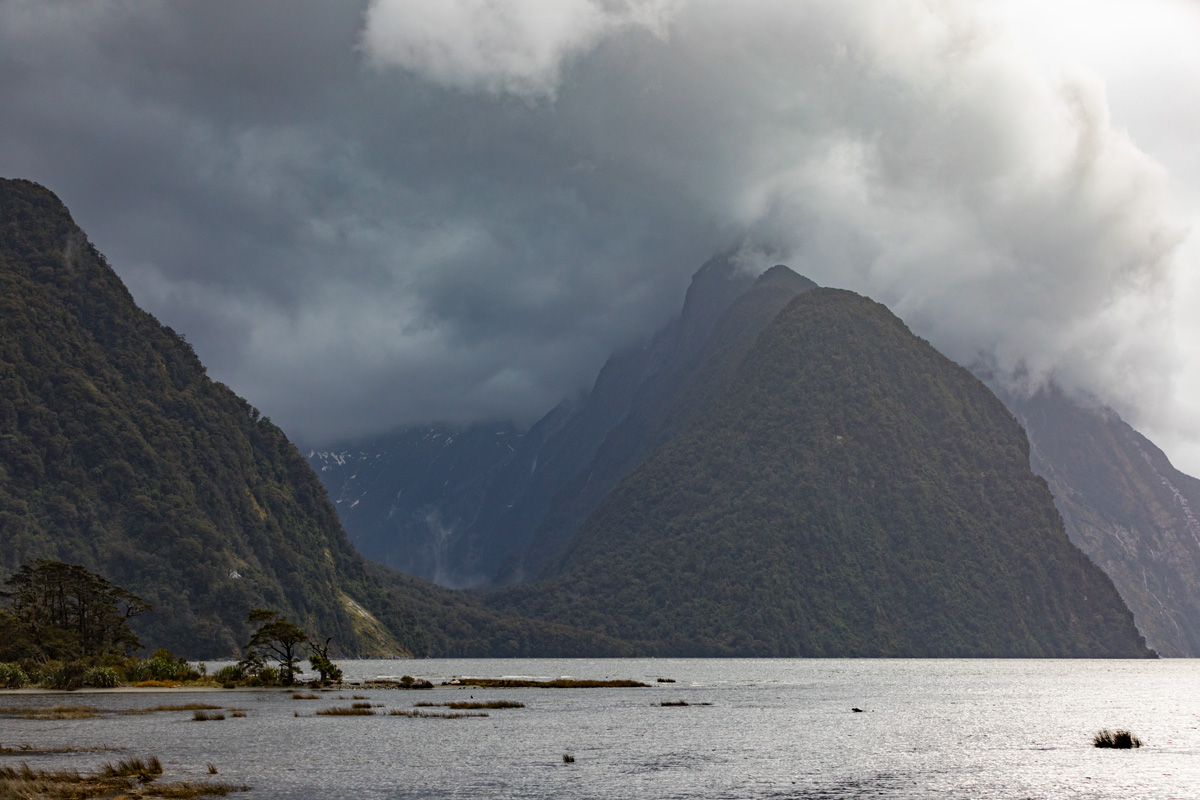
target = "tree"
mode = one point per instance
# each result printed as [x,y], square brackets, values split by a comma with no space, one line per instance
[318,658]
[277,639]
[65,611]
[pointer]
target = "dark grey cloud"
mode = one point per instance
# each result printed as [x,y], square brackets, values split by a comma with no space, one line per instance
[366,215]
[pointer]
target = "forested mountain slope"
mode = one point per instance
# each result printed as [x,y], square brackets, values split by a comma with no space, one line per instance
[1126,507]
[118,452]
[460,504]
[851,492]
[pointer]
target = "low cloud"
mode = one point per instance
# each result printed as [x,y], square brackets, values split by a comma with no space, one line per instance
[404,211]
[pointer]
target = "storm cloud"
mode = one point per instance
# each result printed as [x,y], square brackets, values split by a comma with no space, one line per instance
[403,211]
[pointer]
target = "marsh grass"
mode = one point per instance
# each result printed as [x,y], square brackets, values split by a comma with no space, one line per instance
[1121,740]
[52,712]
[400,712]
[202,716]
[568,758]
[472,704]
[355,710]
[299,696]
[179,707]
[560,683]
[677,703]
[128,778]
[26,749]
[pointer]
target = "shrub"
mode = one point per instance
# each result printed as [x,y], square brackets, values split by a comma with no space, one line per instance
[231,673]
[56,675]
[12,676]
[101,677]
[269,676]
[1121,740]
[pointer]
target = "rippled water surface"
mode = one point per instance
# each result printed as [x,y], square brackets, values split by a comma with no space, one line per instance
[774,729]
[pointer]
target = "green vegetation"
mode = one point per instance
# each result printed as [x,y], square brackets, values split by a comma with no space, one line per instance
[118,453]
[851,492]
[276,639]
[1121,740]
[63,611]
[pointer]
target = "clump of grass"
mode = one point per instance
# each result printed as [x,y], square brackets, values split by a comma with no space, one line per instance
[175,707]
[358,697]
[489,704]
[299,696]
[665,680]
[202,716]
[400,712]
[156,684]
[27,749]
[144,771]
[341,711]
[52,712]
[560,683]
[130,778]
[674,703]
[1121,740]
[211,767]
[568,758]
[236,712]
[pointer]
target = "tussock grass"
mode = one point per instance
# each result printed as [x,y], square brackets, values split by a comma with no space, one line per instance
[202,716]
[677,703]
[1121,740]
[342,711]
[568,758]
[157,685]
[469,704]
[128,778]
[560,683]
[299,696]
[179,707]
[52,712]
[400,712]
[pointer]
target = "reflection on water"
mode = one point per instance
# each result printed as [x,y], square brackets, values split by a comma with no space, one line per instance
[775,729]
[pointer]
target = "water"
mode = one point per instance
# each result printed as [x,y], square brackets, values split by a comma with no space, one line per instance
[774,729]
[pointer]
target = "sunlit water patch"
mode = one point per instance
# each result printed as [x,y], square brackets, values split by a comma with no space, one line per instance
[750,729]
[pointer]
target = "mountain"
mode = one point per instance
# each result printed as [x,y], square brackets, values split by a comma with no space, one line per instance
[849,492]
[117,452]
[1126,507]
[460,506]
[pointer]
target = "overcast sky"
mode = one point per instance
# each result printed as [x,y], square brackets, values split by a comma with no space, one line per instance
[374,214]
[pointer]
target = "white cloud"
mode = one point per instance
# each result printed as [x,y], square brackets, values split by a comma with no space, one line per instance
[517,46]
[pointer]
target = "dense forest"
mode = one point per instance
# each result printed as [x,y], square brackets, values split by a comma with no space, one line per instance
[851,493]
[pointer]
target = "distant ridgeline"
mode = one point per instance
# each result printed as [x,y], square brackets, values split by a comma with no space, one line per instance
[754,480]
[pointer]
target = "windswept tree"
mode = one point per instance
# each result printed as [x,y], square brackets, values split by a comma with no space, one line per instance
[318,658]
[63,611]
[276,639]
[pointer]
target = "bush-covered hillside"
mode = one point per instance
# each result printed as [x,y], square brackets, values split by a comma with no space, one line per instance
[118,452]
[853,493]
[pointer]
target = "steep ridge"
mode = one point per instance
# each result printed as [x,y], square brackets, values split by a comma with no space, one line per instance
[457,505]
[851,492]
[117,452]
[1126,507]
[664,405]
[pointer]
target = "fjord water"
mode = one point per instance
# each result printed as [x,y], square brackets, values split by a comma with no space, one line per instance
[774,729]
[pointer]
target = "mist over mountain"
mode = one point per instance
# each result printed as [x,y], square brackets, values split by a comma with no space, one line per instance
[118,452]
